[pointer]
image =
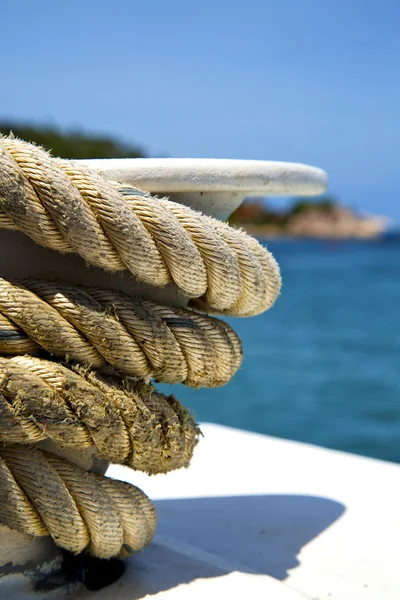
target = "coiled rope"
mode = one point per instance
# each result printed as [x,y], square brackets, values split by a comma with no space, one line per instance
[76,363]
[64,207]
[138,337]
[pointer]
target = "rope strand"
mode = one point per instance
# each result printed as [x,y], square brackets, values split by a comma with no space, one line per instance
[65,207]
[41,494]
[126,420]
[98,327]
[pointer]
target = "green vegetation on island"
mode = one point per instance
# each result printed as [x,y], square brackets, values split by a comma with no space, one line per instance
[72,144]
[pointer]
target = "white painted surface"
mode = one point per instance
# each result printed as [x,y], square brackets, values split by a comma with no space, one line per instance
[172,576]
[324,522]
[213,175]
[215,186]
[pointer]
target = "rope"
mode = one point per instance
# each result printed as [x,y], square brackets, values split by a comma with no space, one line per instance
[75,363]
[63,206]
[138,337]
[84,511]
[126,420]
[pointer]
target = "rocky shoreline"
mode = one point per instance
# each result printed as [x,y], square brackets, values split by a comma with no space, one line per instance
[320,220]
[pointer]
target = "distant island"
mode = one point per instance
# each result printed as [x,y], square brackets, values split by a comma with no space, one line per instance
[324,219]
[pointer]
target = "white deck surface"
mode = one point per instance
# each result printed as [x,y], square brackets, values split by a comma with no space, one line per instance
[259,517]
[325,523]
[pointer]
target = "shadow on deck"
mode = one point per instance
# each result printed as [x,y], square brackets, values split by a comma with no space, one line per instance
[209,537]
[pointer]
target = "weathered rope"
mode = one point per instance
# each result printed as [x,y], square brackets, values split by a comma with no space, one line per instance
[67,208]
[98,401]
[42,494]
[126,420]
[96,327]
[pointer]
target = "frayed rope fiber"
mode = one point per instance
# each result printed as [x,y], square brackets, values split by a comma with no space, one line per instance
[76,362]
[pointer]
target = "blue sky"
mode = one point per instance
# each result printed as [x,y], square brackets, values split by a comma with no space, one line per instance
[300,80]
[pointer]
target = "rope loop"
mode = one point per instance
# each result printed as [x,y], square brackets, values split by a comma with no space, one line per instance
[76,363]
[65,207]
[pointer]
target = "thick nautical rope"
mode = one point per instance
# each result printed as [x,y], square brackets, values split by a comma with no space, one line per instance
[123,420]
[67,208]
[126,420]
[76,363]
[138,337]
[83,511]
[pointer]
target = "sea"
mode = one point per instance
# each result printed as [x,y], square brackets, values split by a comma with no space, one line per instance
[323,365]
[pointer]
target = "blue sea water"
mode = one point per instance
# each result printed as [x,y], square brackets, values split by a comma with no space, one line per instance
[322,366]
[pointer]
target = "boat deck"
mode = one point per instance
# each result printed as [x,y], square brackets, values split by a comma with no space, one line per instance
[253,511]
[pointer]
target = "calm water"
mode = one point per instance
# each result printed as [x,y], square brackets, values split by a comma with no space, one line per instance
[323,365]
